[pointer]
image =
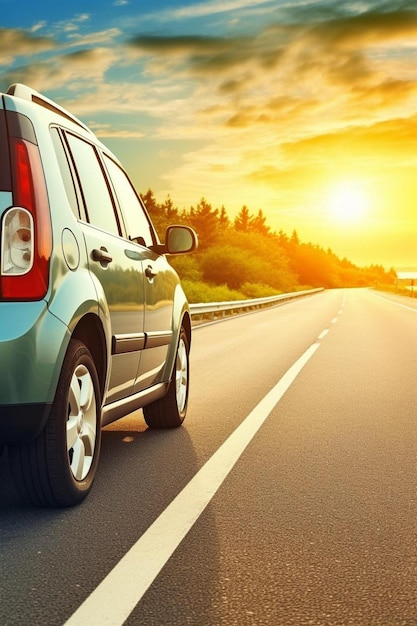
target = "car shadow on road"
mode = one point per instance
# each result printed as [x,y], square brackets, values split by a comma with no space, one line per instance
[140,472]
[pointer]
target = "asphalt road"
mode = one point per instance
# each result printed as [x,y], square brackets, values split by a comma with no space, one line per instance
[288,497]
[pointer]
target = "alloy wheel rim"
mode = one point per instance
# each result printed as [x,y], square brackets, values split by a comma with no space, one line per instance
[181,376]
[81,422]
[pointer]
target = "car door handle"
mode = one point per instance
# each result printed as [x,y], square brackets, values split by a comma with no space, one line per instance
[149,273]
[102,256]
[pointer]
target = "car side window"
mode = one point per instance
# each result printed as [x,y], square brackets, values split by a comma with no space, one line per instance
[96,194]
[136,220]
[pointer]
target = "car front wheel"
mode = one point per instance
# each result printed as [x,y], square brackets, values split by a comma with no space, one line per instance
[58,468]
[170,411]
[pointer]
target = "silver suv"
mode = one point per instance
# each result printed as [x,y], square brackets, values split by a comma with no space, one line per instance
[94,323]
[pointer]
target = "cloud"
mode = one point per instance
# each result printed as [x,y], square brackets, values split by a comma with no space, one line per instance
[345,44]
[197,55]
[16,42]
[71,26]
[38,26]
[285,107]
[368,29]
[104,38]
[272,110]
[352,149]
[79,62]
[110,132]
[298,76]
[341,70]
[204,9]
[74,72]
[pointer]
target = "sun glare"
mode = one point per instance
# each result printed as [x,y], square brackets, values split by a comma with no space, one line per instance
[348,202]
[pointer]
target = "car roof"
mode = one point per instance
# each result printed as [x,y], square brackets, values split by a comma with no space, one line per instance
[18,90]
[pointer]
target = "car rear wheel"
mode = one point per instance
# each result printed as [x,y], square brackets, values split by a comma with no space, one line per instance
[58,468]
[170,411]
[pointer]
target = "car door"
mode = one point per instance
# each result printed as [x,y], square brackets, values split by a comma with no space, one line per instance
[117,264]
[160,281]
[160,285]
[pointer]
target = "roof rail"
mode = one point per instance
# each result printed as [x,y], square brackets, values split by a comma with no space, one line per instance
[27,93]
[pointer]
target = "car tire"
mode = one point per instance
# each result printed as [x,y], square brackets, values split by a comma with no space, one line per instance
[57,469]
[170,411]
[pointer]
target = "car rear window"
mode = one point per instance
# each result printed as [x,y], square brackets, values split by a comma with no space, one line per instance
[65,172]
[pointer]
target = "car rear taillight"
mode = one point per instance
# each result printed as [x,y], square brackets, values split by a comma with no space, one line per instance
[26,238]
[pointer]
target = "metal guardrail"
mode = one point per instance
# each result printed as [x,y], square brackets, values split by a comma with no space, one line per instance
[220,309]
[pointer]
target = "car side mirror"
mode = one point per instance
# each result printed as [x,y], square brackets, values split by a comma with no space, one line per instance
[180,239]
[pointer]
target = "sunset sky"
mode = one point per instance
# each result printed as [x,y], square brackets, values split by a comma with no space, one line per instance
[304,109]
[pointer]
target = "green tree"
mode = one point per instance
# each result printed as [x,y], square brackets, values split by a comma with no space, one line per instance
[204,219]
[230,266]
[170,211]
[223,221]
[155,211]
[242,220]
[245,257]
[258,224]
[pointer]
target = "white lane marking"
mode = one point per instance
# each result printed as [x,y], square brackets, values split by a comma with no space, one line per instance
[404,306]
[334,320]
[116,596]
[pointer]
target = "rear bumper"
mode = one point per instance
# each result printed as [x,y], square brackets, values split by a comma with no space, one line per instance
[32,347]
[33,343]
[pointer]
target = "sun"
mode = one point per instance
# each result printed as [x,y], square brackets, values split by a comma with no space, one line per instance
[348,202]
